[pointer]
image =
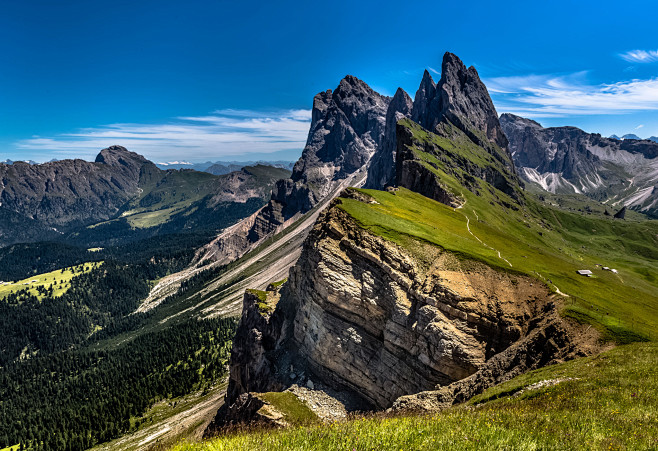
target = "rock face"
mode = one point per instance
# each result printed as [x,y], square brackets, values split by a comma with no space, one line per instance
[379,321]
[460,98]
[381,171]
[367,317]
[459,102]
[453,153]
[347,127]
[569,160]
[73,192]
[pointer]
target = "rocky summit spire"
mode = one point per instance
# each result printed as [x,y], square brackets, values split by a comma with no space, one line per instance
[464,101]
[424,96]
[382,167]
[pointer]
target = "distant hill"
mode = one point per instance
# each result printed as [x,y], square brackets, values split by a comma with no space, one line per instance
[119,195]
[568,160]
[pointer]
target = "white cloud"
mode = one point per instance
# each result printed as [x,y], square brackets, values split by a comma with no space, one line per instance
[222,133]
[572,94]
[640,56]
[639,126]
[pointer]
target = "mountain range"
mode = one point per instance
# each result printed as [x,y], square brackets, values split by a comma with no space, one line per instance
[633,136]
[413,259]
[443,278]
[118,193]
[619,173]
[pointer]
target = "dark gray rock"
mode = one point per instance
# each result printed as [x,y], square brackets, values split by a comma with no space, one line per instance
[69,193]
[570,160]
[381,171]
[621,214]
[347,128]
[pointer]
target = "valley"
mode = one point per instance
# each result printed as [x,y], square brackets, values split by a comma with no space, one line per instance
[429,274]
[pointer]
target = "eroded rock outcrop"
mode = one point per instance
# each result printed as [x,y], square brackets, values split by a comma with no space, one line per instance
[365,316]
[379,321]
[457,106]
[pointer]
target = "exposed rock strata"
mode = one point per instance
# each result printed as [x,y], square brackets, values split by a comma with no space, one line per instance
[367,317]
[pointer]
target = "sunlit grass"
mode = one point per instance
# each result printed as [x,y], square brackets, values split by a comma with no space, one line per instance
[611,402]
[59,279]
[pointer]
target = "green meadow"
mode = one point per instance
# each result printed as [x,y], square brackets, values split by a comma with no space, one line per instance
[606,402]
[59,279]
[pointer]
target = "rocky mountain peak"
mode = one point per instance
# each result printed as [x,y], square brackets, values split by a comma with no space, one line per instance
[426,92]
[381,171]
[464,101]
[119,155]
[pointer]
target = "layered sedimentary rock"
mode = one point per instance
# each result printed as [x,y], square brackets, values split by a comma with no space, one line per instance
[379,321]
[365,316]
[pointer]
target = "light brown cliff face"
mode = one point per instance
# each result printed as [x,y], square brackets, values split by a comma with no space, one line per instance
[365,316]
[374,319]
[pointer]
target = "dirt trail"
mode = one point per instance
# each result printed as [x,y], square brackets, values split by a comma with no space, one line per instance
[468,227]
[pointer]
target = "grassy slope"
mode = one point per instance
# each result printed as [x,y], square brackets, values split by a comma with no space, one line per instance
[628,299]
[61,277]
[609,403]
[535,239]
[174,192]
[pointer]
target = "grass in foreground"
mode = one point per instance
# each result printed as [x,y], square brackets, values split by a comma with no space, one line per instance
[610,402]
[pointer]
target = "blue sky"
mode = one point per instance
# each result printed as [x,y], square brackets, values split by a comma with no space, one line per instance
[208,80]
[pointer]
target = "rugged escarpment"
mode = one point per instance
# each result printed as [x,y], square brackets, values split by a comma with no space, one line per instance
[457,109]
[381,171]
[569,160]
[379,321]
[385,316]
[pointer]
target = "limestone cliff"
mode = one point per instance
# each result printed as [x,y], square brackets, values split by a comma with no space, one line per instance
[366,317]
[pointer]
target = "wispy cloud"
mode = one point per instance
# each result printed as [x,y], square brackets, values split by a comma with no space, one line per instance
[640,56]
[571,94]
[221,133]
[639,126]
[431,69]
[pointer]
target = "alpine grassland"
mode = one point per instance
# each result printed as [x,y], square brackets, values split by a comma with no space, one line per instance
[608,401]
